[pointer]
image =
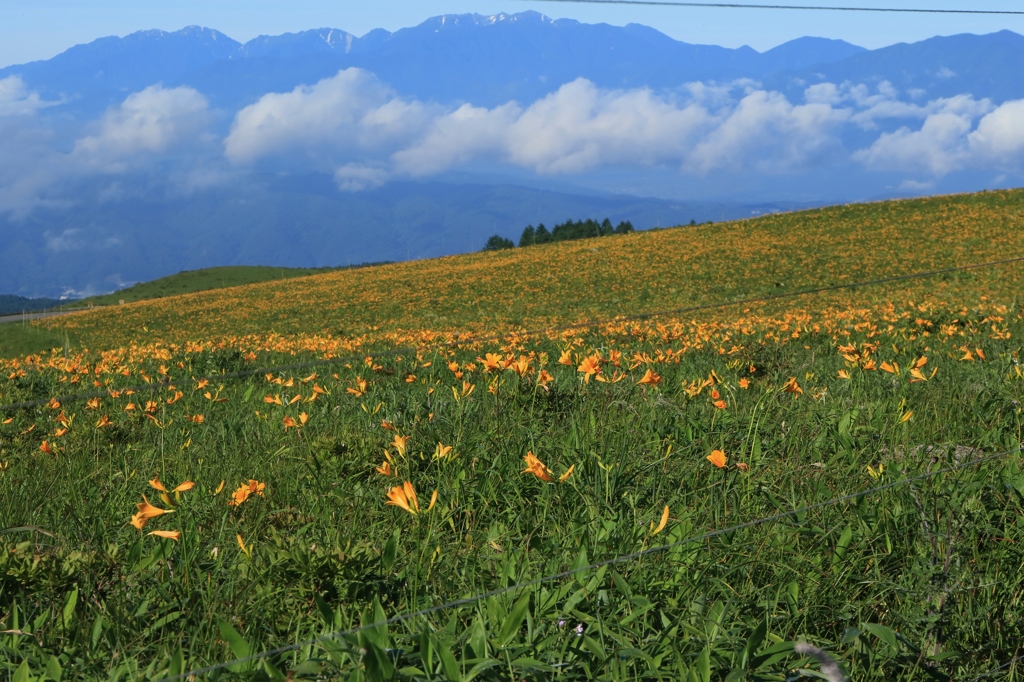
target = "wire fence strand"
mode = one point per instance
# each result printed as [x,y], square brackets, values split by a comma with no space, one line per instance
[814,8]
[469,338]
[465,601]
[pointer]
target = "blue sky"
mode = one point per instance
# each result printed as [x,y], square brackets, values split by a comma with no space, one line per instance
[39,29]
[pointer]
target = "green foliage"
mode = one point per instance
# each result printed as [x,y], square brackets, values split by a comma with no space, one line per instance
[572,230]
[498,243]
[206,279]
[915,582]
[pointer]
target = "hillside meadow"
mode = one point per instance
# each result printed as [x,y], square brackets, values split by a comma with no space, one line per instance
[458,436]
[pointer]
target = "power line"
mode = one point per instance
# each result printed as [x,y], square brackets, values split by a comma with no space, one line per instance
[993,671]
[821,8]
[548,330]
[573,571]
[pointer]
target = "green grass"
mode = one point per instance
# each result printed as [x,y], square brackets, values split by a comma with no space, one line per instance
[917,582]
[18,339]
[206,279]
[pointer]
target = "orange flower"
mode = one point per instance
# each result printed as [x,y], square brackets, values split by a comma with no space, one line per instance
[404,496]
[360,387]
[650,378]
[169,534]
[303,418]
[155,483]
[718,458]
[744,383]
[544,378]
[45,447]
[400,443]
[792,387]
[565,477]
[289,423]
[384,469]
[273,400]
[196,419]
[536,467]
[103,421]
[843,374]
[442,451]
[720,404]
[148,511]
[245,490]
[662,523]
[566,357]
[590,366]
[93,404]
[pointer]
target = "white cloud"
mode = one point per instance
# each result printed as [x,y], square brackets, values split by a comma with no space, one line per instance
[150,121]
[16,100]
[356,177]
[351,111]
[766,132]
[948,140]
[999,138]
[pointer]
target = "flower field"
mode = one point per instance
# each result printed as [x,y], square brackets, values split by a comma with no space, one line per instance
[458,436]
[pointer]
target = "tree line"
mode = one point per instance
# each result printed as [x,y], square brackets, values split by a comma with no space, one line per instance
[568,231]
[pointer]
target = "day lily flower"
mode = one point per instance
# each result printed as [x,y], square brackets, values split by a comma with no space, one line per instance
[565,477]
[148,511]
[536,467]
[745,383]
[906,417]
[566,357]
[718,458]
[650,378]
[400,443]
[404,496]
[289,423]
[843,374]
[384,469]
[245,490]
[590,366]
[241,544]
[793,387]
[47,448]
[662,523]
[169,534]
[442,451]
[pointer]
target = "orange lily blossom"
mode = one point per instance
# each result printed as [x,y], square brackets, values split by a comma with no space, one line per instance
[662,523]
[718,458]
[400,443]
[404,496]
[245,490]
[650,378]
[384,469]
[168,534]
[536,467]
[590,366]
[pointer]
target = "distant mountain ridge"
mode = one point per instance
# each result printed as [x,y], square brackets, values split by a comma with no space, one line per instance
[489,60]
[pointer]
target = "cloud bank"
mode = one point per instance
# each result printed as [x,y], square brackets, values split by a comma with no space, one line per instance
[361,131]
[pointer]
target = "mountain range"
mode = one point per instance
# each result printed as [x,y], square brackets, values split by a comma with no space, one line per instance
[80,221]
[489,60]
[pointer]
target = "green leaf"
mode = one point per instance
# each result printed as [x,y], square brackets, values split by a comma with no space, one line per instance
[387,557]
[97,632]
[514,621]
[754,642]
[594,647]
[704,666]
[54,670]
[177,665]
[239,646]
[22,673]
[883,633]
[448,664]
[844,542]
[325,610]
[69,606]
[248,393]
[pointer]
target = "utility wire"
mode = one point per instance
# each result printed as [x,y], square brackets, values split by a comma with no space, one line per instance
[822,8]
[600,564]
[548,330]
[993,671]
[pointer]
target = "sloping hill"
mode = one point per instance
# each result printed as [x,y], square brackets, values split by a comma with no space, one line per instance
[622,275]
